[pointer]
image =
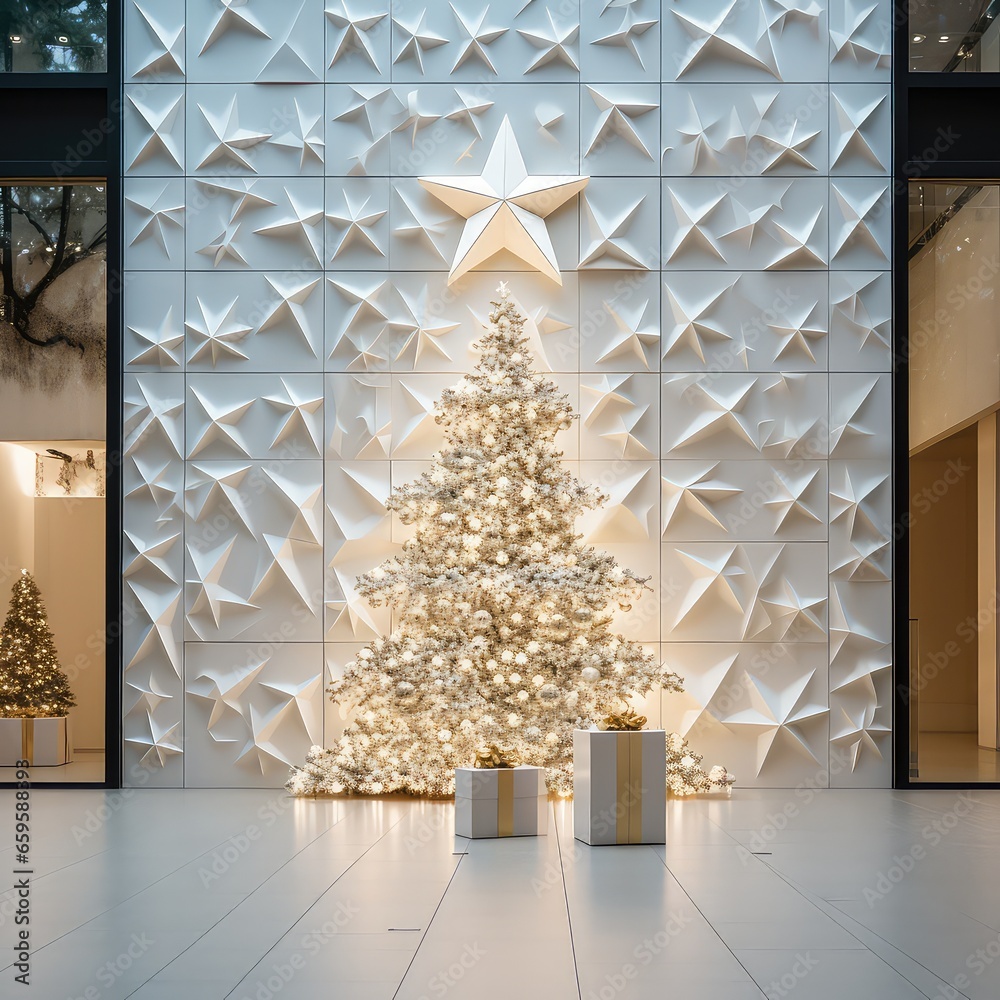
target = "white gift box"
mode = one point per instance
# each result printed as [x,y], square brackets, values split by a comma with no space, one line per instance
[620,786]
[41,742]
[500,802]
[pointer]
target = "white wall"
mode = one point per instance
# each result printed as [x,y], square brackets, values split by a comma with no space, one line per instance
[722,324]
[17,526]
[943,547]
[69,570]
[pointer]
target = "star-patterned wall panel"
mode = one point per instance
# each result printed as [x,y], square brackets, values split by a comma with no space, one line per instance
[691,204]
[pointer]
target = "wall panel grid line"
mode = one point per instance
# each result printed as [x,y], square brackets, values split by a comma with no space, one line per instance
[722,327]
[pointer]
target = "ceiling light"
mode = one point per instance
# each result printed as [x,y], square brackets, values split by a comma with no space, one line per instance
[919,38]
[944,38]
[15,39]
[62,39]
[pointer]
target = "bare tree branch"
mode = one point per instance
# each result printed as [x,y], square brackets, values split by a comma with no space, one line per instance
[22,305]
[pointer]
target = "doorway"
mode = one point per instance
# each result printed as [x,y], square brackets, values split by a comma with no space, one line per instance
[954,398]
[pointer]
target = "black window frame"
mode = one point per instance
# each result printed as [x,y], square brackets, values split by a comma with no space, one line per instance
[52,112]
[934,139]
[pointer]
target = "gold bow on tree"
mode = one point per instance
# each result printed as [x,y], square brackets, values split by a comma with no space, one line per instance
[628,720]
[493,756]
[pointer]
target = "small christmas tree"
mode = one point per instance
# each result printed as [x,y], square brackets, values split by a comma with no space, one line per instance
[32,684]
[502,616]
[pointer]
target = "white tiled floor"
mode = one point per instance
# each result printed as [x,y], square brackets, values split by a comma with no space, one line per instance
[956,757]
[208,895]
[87,765]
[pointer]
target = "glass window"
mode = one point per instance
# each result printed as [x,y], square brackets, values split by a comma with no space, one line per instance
[954,515]
[53,401]
[54,36]
[52,238]
[955,36]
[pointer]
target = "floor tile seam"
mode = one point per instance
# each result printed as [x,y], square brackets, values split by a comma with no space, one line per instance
[709,923]
[569,914]
[430,923]
[319,836]
[106,850]
[842,916]
[718,826]
[921,805]
[138,892]
[63,868]
[166,876]
[824,906]
[249,894]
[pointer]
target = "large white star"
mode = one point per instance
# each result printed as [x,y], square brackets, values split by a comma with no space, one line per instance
[505,207]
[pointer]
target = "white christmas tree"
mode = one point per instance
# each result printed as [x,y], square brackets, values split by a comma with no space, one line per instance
[502,615]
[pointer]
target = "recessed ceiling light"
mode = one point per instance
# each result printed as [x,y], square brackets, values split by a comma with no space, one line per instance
[15,38]
[919,38]
[62,39]
[944,38]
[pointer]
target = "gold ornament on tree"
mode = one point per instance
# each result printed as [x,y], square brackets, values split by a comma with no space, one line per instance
[502,615]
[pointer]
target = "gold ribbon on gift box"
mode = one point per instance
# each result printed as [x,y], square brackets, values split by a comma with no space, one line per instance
[28,740]
[503,761]
[628,804]
[505,803]
[627,727]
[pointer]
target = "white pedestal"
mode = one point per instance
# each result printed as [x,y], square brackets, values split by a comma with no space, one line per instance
[41,742]
[500,802]
[620,787]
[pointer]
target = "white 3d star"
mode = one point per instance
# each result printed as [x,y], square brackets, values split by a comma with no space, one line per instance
[230,141]
[504,208]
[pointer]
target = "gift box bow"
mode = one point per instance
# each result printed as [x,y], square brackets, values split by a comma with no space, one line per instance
[628,720]
[493,756]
